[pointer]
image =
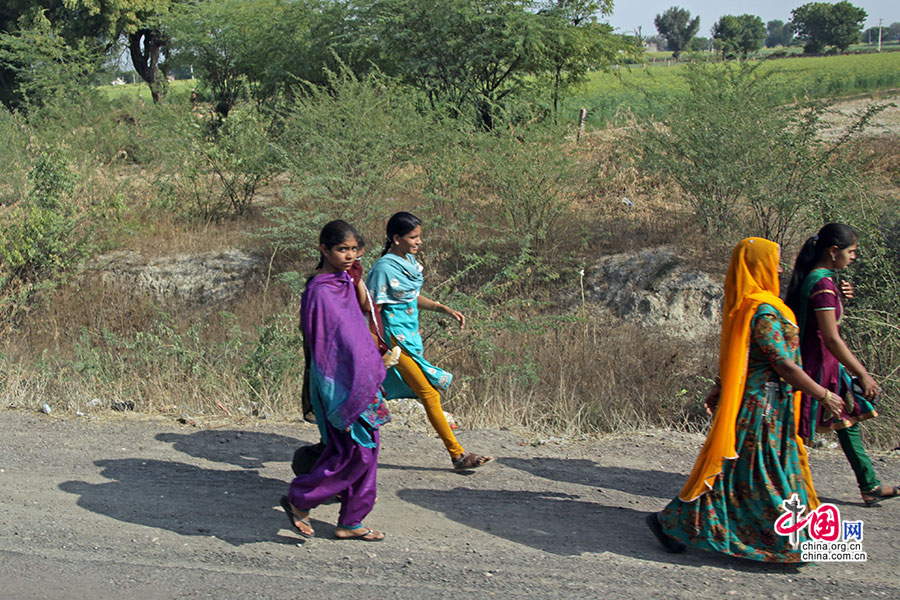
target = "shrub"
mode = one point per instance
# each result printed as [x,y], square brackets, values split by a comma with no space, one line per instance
[870,324]
[344,147]
[14,167]
[216,167]
[745,163]
[40,234]
[275,357]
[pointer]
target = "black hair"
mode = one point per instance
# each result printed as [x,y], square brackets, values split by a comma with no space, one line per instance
[833,234]
[333,234]
[400,224]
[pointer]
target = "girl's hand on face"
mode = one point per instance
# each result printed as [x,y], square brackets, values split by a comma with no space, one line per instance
[847,289]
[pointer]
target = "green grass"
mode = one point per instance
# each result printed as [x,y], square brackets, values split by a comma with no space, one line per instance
[141,90]
[892,46]
[643,90]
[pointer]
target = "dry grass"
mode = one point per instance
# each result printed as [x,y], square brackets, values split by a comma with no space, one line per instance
[553,375]
[599,375]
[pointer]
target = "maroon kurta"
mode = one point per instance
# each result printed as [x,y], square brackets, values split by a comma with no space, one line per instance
[823,367]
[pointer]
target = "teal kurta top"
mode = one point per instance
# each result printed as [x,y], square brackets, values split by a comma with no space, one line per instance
[395,283]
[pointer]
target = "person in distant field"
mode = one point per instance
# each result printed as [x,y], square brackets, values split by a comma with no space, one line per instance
[395,282]
[816,300]
[345,374]
[752,460]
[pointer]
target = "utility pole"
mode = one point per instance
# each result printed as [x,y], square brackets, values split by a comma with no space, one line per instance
[879,35]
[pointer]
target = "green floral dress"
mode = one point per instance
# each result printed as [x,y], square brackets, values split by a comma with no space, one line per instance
[738,514]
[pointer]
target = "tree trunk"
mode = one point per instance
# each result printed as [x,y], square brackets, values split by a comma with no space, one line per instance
[145,58]
[486,115]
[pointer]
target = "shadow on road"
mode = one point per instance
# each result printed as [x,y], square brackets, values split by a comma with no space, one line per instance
[564,525]
[235,506]
[640,482]
[246,449]
[441,470]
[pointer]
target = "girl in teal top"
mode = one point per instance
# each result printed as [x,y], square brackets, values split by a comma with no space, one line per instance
[395,283]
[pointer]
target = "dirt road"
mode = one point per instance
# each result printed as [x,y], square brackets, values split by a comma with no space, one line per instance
[140,508]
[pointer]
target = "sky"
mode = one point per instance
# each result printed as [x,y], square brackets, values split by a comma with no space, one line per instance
[629,15]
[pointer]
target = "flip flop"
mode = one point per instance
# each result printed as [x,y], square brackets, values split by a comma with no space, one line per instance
[878,494]
[470,460]
[291,515]
[364,537]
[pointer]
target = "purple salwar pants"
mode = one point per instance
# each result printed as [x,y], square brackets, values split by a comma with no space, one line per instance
[345,468]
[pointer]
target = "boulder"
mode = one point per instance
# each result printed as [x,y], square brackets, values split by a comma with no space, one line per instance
[204,278]
[655,287]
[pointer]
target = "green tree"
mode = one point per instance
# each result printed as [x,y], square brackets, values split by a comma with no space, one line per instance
[575,43]
[778,33]
[676,25]
[699,44]
[43,65]
[340,34]
[742,34]
[231,45]
[870,35]
[74,28]
[142,23]
[819,25]
[846,23]
[463,54]
[893,32]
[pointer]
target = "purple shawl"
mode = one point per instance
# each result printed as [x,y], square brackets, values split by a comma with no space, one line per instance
[345,367]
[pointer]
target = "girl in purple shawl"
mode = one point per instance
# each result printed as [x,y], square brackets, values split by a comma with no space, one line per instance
[346,371]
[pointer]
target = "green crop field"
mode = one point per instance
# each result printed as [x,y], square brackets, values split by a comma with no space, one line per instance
[133,90]
[640,89]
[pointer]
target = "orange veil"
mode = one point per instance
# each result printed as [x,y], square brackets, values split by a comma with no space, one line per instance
[752,280]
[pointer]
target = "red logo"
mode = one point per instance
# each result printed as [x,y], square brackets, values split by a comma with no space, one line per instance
[823,524]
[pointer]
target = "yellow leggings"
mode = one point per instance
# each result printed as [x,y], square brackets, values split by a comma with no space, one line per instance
[412,375]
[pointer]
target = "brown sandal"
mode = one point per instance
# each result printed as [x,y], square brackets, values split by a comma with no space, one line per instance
[470,460]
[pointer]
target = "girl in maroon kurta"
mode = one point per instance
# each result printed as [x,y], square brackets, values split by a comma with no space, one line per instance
[816,301]
[821,365]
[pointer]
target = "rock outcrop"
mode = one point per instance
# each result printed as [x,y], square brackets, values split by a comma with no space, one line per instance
[654,287]
[205,278]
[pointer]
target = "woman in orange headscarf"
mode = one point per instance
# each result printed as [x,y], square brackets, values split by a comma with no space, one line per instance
[752,460]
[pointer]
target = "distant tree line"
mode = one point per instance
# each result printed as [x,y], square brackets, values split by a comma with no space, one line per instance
[816,25]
